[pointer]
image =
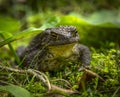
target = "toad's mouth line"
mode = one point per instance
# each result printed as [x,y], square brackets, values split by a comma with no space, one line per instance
[66,41]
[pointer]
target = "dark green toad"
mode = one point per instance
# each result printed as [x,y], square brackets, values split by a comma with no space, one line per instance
[54,48]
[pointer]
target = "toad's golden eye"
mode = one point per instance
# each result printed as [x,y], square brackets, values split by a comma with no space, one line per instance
[54,35]
[74,33]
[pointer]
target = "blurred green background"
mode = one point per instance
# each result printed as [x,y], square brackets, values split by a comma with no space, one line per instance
[98,22]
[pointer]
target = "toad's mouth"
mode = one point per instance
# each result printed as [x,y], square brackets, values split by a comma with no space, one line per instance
[65,41]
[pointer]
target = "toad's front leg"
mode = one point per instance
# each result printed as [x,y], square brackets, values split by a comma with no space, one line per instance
[84,55]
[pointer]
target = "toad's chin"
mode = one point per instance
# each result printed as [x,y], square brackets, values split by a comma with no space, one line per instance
[62,50]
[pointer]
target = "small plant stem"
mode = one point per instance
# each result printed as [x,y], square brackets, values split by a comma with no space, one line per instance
[116,92]
[14,53]
[12,50]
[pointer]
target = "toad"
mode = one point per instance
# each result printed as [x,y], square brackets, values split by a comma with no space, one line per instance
[55,48]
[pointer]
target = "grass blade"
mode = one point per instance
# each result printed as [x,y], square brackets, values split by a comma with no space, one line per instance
[17,91]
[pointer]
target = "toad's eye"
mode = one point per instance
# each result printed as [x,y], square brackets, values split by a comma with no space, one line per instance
[54,35]
[74,33]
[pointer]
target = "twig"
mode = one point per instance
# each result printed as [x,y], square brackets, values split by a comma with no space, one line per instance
[68,83]
[36,73]
[116,92]
[93,74]
[12,69]
[43,77]
[3,82]
[61,90]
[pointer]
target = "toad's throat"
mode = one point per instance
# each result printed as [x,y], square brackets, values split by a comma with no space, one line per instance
[62,50]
